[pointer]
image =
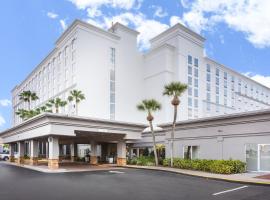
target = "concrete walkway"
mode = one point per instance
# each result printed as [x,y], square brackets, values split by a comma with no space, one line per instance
[251,178]
[68,168]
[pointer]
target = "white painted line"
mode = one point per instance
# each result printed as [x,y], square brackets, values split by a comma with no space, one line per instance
[231,190]
[116,172]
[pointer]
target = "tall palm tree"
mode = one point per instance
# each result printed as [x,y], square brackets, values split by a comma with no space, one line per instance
[150,106]
[174,90]
[28,96]
[57,103]
[77,96]
[22,113]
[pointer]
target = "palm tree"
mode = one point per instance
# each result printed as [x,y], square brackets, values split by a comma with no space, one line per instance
[22,113]
[28,96]
[150,106]
[174,89]
[56,103]
[77,96]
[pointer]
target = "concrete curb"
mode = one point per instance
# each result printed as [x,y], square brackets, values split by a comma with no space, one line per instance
[202,176]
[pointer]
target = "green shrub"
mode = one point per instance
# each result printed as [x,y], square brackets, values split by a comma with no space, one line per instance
[143,161]
[213,166]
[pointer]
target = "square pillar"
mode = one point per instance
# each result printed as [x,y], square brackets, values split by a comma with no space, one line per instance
[121,153]
[73,152]
[33,152]
[11,152]
[21,146]
[93,158]
[53,161]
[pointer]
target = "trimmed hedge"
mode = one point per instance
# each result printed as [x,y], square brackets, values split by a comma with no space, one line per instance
[143,161]
[213,166]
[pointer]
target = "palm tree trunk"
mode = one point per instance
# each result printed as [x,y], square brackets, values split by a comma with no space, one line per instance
[56,109]
[154,142]
[76,104]
[29,102]
[172,134]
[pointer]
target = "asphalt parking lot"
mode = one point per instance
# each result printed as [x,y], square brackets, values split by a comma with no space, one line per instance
[127,184]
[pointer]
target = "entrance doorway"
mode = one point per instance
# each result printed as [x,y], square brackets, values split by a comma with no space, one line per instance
[258,157]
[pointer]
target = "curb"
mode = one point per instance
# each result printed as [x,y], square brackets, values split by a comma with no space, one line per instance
[206,177]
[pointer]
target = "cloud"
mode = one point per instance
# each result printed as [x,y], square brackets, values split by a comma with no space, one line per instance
[176,19]
[124,4]
[93,12]
[265,80]
[2,120]
[63,24]
[159,12]
[249,17]
[52,15]
[5,102]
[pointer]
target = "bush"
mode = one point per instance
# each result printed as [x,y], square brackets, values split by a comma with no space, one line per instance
[213,166]
[143,161]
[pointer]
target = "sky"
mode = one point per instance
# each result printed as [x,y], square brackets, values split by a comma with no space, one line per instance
[237,32]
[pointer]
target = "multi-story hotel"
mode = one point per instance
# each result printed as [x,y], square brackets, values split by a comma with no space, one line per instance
[114,76]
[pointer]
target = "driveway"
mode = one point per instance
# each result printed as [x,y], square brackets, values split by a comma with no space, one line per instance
[127,184]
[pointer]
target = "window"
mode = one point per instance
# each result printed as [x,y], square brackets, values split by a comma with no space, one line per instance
[208,77]
[225,93]
[196,83]
[196,62]
[190,59]
[190,91]
[208,68]
[217,90]
[225,75]
[190,102]
[189,70]
[190,80]
[225,84]
[225,102]
[208,96]
[196,72]
[217,99]
[232,79]
[196,103]
[196,92]
[217,81]
[217,72]
[191,152]
[208,87]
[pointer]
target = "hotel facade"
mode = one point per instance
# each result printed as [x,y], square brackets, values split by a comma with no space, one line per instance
[114,76]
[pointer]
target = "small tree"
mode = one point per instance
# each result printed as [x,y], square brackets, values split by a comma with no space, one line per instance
[22,113]
[150,106]
[28,96]
[77,96]
[57,103]
[174,89]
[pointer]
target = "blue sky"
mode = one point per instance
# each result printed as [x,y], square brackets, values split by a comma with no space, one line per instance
[237,32]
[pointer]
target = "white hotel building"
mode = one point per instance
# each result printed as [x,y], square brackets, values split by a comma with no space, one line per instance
[114,76]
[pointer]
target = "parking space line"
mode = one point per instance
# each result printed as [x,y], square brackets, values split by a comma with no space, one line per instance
[231,190]
[116,172]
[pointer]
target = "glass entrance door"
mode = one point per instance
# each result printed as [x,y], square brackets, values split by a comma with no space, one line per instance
[264,157]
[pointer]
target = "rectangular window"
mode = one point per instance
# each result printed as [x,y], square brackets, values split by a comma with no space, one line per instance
[190,91]
[196,82]
[208,86]
[191,152]
[217,90]
[190,102]
[208,77]
[196,92]
[196,62]
[208,68]
[196,103]
[190,59]
[196,72]
[232,79]
[225,75]
[217,72]
[217,81]
[217,99]
[190,80]
[225,93]
[189,70]
[208,96]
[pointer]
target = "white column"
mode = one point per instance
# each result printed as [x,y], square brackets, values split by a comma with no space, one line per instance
[93,158]
[53,161]
[33,152]
[20,152]
[11,152]
[121,153]
[73,151]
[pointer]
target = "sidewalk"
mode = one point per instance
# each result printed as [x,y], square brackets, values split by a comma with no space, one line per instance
[251,178]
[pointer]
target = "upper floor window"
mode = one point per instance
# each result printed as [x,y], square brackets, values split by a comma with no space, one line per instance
[196,72]
[196,62]
[190,80]
[190,59]
[217,72]
[225,75]
[189,70]
[208,68]
[208,77]
[196,82]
